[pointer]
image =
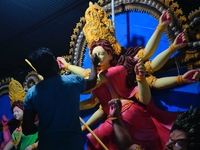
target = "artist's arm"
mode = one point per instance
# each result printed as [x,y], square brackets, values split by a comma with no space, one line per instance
[28,124]
[167,82]
[91,81]
[143,87]
[95,118]
[93,101]
[154,40]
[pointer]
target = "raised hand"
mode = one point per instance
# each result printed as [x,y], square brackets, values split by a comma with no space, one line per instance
[4,120]
[140,68]
[6,132]
[62,62]
[165,19]
[191,76]
[115,107]
[180,41]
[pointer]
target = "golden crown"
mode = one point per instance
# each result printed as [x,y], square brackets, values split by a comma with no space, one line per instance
[16,91]
[98,26]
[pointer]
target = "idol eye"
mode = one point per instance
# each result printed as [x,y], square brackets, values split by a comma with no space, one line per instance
[177,144]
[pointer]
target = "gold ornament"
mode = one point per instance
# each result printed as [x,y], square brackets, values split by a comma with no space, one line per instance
[98,26]
[31,79]
[16,136]
[16,91]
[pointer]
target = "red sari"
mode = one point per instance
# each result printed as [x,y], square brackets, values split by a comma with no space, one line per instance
[148,125]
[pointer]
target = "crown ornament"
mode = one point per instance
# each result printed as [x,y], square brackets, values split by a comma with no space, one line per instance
[98,26]
[16,91]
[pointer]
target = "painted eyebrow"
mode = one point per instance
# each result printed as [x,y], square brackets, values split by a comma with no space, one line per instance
[178,140]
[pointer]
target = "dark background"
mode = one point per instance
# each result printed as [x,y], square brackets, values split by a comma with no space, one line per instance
[26,25]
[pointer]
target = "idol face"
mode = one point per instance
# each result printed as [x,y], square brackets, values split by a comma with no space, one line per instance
[104,57]
[18,113]
[178,141]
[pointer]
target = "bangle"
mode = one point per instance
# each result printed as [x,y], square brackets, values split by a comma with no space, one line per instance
[137,96]
[172,48]
[33,146]
[179,79]
[83,127]
[66,65]
[140,78]
[113,118]
[86,73]
[150,80]
[148,67]
[139,147]
[5,128]
[160,28]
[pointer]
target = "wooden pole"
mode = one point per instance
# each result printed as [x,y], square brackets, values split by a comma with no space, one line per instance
[100,142]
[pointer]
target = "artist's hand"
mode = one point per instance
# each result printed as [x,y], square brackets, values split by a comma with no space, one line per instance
[191,76]
[115,107]
[62,62]
[165,19]
[4,120]
[181,40]
[140,68]
[95,60]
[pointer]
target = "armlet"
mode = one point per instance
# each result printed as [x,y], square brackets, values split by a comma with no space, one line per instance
[140,54]
[148,67]
[150,80]
[86,73]
[137,95]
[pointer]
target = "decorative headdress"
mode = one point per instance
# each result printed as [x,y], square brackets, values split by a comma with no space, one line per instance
[98,26]
[16,91]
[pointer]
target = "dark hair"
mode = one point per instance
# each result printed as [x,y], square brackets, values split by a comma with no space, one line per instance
[44,62]
[189,122]
[128,61]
